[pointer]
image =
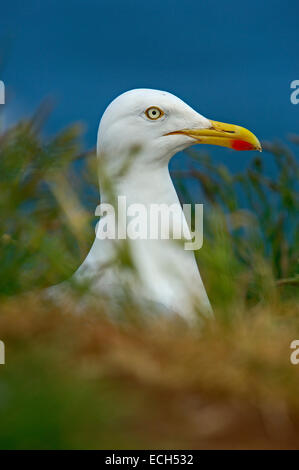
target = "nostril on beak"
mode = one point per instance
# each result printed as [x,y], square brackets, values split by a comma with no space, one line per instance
[226,131]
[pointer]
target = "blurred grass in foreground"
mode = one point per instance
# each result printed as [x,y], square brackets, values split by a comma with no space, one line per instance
[85,382]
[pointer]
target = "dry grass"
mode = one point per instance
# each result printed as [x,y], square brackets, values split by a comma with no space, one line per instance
[155,385]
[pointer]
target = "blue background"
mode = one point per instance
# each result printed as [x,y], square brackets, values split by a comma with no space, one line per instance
[232,61]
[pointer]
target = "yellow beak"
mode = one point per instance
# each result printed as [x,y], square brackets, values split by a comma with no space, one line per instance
[226,135]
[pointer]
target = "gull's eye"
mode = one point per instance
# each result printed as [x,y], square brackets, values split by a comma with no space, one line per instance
[154,113]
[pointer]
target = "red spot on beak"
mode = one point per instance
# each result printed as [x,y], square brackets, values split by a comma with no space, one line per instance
[241,145]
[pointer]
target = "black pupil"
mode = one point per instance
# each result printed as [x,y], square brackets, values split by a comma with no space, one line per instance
[154,112]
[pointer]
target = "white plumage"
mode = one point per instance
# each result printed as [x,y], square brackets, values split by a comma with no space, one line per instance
[138,134]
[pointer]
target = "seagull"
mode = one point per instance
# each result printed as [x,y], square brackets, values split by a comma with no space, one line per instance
[140,131]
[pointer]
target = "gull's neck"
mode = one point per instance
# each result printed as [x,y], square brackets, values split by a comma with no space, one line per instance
[150,184]
[167,274]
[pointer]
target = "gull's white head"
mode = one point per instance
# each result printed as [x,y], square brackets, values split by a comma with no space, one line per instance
[161,124]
